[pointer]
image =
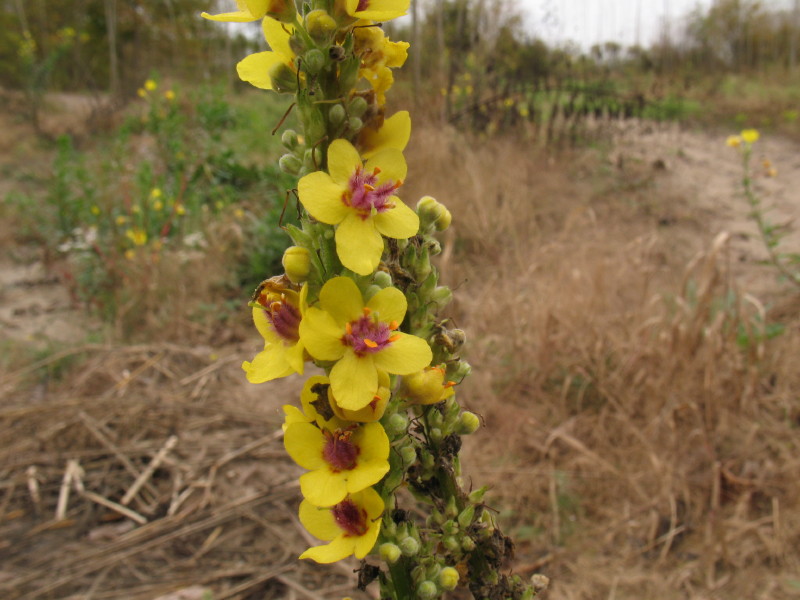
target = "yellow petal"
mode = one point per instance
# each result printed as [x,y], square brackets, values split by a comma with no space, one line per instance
[389,304]
[365,543]
[358,244]
[340,548]
[399,222]
[354,380]
[321,335]
[392,164]
[305,442]
[318,521]
[341,298]
[277,35]
[322,198]
[255,68]
[405,355]
[267,365]
[343,160]
[378,10]
[324,487]
[394,133]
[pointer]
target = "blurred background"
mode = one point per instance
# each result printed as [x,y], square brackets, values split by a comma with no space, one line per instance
[632,316]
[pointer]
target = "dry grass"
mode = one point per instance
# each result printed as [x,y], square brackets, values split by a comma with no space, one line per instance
[641,433]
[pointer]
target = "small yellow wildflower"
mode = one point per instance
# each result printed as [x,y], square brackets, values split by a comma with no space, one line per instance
[137,236]
[180,209]
[155,193]
[95,210]
[750,136]
[130,254]
[351,526]
[508,102]
[121,220]
[169,95]
[150,85]
[158,205]
[142,93]
[733,141]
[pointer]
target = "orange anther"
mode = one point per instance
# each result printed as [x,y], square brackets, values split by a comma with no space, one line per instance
[394,338]
[349,329]
[369,343]
[394,325]
[449,384]
[367,310]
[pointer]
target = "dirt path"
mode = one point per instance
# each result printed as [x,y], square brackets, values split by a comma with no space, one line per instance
[703,175]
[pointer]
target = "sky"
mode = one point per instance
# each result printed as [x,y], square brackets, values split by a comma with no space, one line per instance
[588,22]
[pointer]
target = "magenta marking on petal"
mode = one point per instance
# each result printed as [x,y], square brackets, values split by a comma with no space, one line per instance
[367,335]
[365,195]
[285,319]
[339,451]
[362,5]
[350,518]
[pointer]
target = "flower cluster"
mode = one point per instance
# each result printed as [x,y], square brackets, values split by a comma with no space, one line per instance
[359,298]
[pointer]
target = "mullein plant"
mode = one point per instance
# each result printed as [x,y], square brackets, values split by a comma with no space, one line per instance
[360,298]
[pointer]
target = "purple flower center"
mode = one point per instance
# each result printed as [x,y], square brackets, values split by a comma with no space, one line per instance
[339,452]
[368,335]
[285,319]
[365,195]
[362,5]
[351,518]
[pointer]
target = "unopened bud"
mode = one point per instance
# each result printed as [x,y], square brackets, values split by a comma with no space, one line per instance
[357,107]
[409,546]
[442,296]
[390,553]
[296,263]
[466,516]
[468,423]
[336,115]
[396,425]
[408,454]
[320,25]
[426,387]
[451,543]
[444,220]
[290,164]
[427,590]
[382,279]
[284,79]
[448,578]
[289,139]
[467,544]
[430,211]
[314,61]
[355,124]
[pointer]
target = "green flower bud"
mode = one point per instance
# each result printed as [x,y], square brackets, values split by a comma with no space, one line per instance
[427,590]
[355,124]
[442,296]
[314,61]
[382,279]
[429,211]
[284,79]
[466,516]
[297,45]
[435,434]
[290,164]
[468,423]
[450,527]
[467,544]
[451,543]
[296,263]
[396,425]
[289,139]
[451,510]
[390,553]
[409,546]
[357,107]
[336,115]
[313,121]
[320,26]
[408,454]
[434,247]
[437,517]
[461,371]
[443,220]
[448,578]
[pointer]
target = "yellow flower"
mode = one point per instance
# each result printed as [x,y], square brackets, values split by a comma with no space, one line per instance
[253,10]
[95,210]
[350,527]
[137,236]
[360,199]
[427,386]
[155,193]
[750,136]
[340,461]
[150,85]
[258,69]
[376,10]
[378,56]
[158,205]
[277,315]
[130,254]
[372,411]
[169,95]
[733,141]
[318,395]
[394,132]
[362,339]
[180,209]
[141,93]
[121,220]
